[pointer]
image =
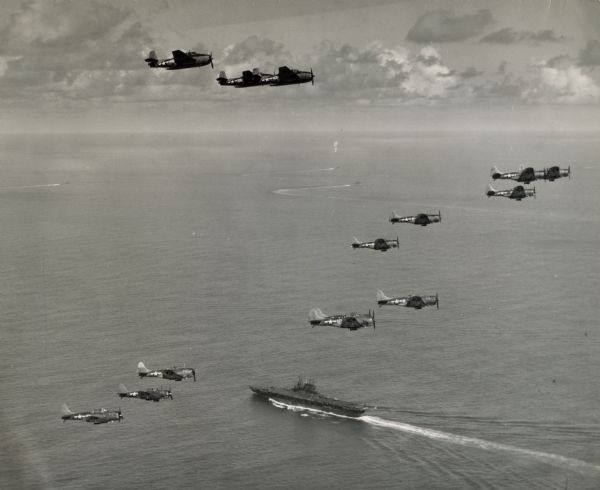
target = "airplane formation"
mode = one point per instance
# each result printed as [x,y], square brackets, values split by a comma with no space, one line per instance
[106,415]
[254,78]
[350,321]
[526,175]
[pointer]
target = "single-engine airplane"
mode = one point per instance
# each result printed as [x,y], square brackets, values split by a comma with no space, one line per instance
[249,78]
[180,60]
[555,172]
[528,174]
[420,219]
[518,193]
[351,321]
[382,244]
[96,416]
[151,394]
[175,373]
[287,76]
[416,302]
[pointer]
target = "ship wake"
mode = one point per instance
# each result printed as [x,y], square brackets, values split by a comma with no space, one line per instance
[296,191]
[549,458]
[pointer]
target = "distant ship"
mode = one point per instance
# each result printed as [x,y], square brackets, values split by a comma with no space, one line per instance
[304,394]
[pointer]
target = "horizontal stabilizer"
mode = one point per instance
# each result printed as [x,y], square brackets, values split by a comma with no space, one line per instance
[316,314]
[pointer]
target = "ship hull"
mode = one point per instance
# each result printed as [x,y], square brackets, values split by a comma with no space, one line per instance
[310,401]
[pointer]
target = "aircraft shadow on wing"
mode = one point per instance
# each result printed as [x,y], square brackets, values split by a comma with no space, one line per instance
[422,219]
[150,394]
[95,416]
[255,78]
[381,244]
[180,60]
[351,321]
[174,373]
[517,193]
[412,301]
[527,175]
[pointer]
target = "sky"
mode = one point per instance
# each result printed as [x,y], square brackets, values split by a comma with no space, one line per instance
[78,65]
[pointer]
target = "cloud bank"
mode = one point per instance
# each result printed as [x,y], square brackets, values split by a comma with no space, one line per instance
[442,26]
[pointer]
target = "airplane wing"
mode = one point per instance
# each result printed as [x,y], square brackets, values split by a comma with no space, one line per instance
[285,74]
[182,58]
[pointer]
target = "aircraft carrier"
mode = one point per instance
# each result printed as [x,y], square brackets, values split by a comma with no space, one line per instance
[304,394]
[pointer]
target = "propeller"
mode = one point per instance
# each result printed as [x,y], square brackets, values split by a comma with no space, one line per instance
[120,415]
[210,58]
[440,215]
[437,301]
[312,77]
[569,172]
[534,193]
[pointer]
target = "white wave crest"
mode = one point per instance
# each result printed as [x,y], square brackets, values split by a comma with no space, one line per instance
[294,191]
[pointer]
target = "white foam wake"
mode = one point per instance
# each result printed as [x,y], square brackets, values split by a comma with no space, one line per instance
[28,186]
[295,190]
[301,408]
[437,435]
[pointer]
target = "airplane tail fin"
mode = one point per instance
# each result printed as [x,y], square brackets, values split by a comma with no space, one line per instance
[222,78]
[152,60]
[495,173]
[316,314]
[490,191]
[381,296]
[65,410]
[142,369]
[123,389]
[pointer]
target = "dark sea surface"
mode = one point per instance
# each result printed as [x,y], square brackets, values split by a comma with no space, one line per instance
[210,249]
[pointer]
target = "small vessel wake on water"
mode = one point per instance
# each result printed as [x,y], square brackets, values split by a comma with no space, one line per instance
[304,394]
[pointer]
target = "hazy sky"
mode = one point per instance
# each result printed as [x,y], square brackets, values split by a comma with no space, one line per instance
[414,64]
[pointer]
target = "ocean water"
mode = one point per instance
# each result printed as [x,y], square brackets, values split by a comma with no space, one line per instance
[210,249]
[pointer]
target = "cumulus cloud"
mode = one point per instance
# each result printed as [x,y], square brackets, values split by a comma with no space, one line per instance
[254,51]
[557,85]
[590,55]
[427,76]
[470,72]
[442,26]
[510,36]
[377,72]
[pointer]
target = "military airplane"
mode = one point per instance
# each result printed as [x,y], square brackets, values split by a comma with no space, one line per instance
[180,60]
[151,394]
[249,78]
[518,193]
[175,373]
[382,244]
[420,219]
[528,174]
[351,321]
[286,76]
[416,302]
[96,416]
